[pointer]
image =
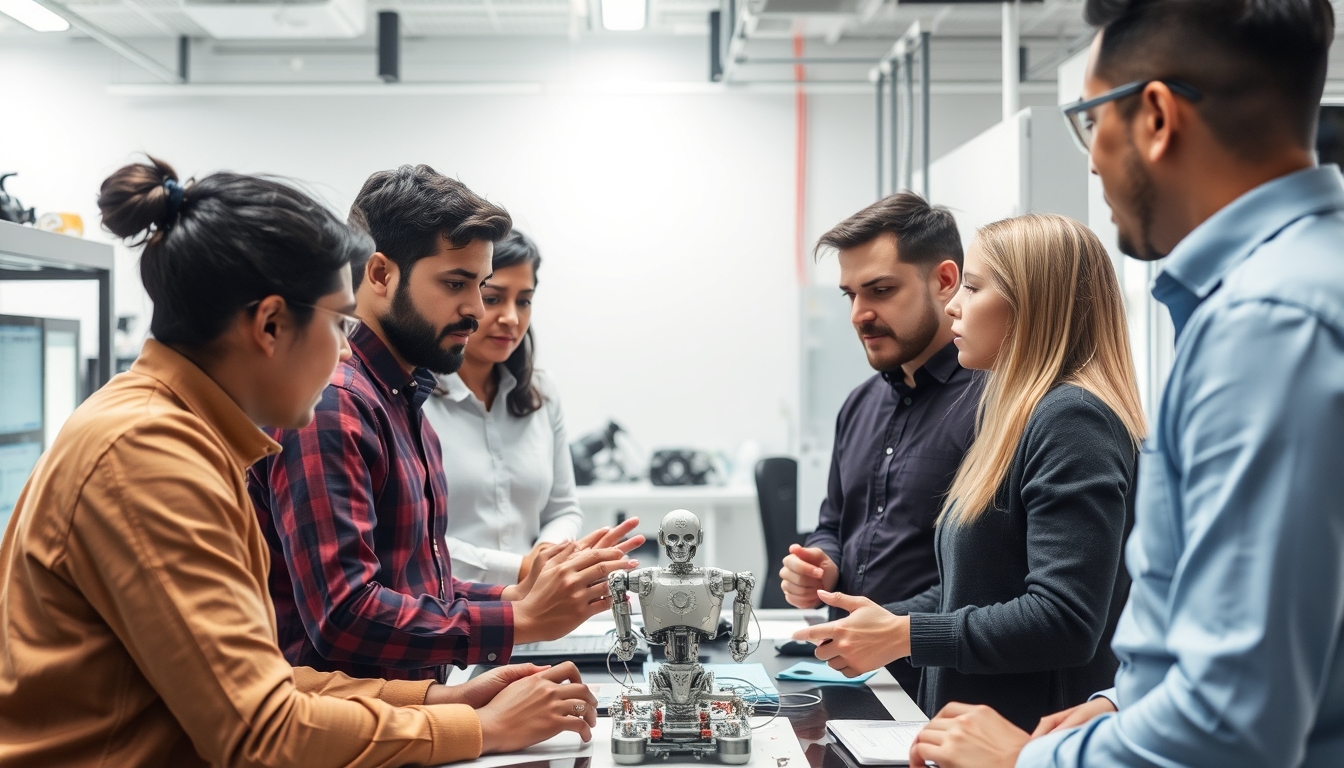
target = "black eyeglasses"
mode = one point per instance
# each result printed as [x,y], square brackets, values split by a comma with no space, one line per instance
[1076,113]
[349,323]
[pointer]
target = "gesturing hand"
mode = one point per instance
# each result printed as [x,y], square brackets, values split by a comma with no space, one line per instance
[868,638]
[965,736]
[537,707]
[482,689]
[1073,716]
[532,566]
[604,538]
[807,570]
[568,590]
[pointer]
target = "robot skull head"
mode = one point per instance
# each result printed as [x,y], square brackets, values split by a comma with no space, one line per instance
[680,535]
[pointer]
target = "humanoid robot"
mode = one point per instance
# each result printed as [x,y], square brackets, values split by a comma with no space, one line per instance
[683,712]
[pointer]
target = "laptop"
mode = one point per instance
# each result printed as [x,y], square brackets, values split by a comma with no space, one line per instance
[580,649]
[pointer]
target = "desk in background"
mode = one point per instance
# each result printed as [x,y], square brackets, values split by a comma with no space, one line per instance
[728,515]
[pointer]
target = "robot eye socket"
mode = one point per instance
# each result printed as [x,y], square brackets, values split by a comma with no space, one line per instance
[673,538]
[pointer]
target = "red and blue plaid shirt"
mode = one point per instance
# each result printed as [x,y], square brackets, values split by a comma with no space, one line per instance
[354,510]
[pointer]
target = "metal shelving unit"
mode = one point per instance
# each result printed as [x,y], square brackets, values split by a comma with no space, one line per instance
[31,254]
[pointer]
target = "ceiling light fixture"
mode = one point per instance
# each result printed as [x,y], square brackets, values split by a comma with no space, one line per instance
[34,16]
[618,15]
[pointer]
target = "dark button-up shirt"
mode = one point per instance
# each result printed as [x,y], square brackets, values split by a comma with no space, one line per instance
[896,451]
[354,510]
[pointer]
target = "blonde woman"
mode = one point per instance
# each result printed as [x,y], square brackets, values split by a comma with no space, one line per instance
[1029,542]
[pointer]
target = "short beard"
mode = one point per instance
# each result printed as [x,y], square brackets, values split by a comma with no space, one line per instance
[909,348]
[1141,203]
[417,341]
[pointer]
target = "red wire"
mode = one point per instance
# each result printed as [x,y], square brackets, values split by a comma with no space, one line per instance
[800,160]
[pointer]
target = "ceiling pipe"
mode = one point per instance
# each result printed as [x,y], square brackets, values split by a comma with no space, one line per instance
[113,43]
[1012,61]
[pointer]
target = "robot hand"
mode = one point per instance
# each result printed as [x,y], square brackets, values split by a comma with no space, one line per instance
[739,649]
[625,647]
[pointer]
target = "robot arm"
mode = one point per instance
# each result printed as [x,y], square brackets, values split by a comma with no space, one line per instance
[743,582]
[617,584]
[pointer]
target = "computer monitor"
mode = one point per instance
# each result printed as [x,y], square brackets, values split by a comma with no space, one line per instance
[61,390]
[22,412]
[16,464]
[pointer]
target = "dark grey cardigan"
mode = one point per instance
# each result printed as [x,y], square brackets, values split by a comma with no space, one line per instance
[1031,591]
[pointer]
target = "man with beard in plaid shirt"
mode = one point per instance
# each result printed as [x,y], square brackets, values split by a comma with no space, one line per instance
[354,508]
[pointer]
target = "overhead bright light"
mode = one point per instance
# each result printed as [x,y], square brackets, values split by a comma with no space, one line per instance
[30,14]
[618,15]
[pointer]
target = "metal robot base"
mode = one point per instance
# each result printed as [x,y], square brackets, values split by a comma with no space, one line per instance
[649,726]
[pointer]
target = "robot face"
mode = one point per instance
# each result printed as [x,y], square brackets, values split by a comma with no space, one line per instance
[680,534]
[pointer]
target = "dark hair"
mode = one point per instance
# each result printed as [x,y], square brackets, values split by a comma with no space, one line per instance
[517,248]
[925,234]
[1260,64]
[215,245]
[408,211]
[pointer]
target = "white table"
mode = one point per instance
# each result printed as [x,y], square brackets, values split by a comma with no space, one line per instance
[728,515]
[775,625]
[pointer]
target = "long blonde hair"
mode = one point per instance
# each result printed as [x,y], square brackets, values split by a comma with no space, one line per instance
[1068,326]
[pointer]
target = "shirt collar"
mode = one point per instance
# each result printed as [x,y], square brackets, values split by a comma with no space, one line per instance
[204,397]
[939,368]
[1200,262]
[386,372]
[453,388]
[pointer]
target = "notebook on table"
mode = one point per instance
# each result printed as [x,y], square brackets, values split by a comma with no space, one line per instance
[876,742]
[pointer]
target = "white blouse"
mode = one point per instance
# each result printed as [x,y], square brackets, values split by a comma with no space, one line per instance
[510,480]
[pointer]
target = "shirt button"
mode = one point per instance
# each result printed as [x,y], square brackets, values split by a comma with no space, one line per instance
[879,507]
[861,567]
[906,401]
[491,657]
[888,451]
[395,392]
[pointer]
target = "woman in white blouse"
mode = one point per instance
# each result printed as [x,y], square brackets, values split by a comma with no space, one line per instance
[505,453]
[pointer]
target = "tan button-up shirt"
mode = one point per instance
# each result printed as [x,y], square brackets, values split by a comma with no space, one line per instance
[137,628]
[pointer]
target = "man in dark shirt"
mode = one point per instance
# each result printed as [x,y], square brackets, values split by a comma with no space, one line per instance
[902,433]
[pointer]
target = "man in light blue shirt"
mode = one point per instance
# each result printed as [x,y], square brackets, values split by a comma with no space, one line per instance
[1199,118]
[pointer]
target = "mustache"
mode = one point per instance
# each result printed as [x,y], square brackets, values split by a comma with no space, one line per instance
[871,328]
[466,324]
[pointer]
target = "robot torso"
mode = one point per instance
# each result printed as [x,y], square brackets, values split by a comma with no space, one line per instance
[690,600]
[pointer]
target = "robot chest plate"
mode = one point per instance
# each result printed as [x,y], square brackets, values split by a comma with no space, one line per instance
[681,601]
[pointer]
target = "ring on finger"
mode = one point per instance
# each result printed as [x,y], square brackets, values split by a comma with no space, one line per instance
[580,707]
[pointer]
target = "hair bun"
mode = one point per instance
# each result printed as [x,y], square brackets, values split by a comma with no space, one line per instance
[134,201]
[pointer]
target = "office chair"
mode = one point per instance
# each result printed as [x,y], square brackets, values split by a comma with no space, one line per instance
[777,496]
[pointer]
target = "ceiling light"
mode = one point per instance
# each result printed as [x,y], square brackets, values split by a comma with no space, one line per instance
[29,13]
[618,15]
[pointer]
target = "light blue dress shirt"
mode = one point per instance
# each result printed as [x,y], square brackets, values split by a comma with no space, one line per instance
[1230,645]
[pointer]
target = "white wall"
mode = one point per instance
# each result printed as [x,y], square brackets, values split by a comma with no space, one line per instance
[668,293]
[664,209]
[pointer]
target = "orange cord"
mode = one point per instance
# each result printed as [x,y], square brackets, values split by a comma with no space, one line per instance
[800,181]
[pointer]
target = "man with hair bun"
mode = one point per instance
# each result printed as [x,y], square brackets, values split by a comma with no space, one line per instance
[1199,116]
[137,627]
